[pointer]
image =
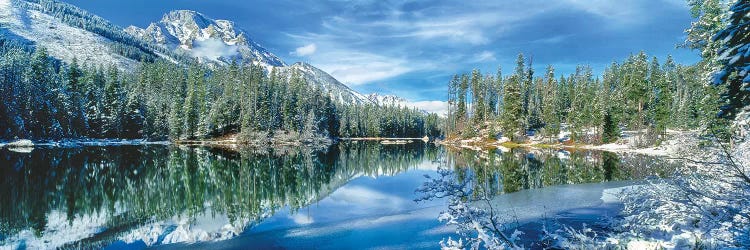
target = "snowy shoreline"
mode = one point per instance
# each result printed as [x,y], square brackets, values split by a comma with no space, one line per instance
[71,143]
[673,146]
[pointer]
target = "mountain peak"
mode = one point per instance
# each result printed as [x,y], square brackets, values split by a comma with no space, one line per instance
[186,17]
[209,40]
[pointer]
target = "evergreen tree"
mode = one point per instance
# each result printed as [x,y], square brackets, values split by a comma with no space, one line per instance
[663,99]
[78,117]
[477,100]
[462,112]
[112,104]
[550,105]
[612,99]
[512,118]
[133,118]
[735,61]
[191,107]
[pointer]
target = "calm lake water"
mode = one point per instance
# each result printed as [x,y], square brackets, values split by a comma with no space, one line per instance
[353,195]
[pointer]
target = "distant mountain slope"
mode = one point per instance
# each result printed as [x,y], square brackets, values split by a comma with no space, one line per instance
[43,23]
[317,77]
[209,40]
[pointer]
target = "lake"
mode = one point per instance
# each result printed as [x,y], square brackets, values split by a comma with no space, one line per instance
[355,195]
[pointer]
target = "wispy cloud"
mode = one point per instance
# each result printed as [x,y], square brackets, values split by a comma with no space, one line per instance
[355,67]
[552,40]
[485,56]
[305,50]
[390,42]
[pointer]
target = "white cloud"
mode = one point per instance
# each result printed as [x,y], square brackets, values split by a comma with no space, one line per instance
[213,48]
[465,30]
[485,56]
[438,107]
[305,50]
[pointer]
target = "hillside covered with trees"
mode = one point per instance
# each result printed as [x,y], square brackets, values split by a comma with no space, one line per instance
[46,99]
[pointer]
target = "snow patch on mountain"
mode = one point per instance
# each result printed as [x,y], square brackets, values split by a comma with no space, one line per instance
[211,41]
[62,41]
[387,100]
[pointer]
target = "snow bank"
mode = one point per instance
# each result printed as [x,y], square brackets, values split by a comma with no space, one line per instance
[100,143]
[741,147]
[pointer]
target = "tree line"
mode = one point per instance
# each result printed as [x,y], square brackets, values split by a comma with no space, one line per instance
[638,94]
[45,99]
[370,120]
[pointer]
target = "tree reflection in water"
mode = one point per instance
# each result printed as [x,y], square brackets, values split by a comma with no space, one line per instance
[135,185]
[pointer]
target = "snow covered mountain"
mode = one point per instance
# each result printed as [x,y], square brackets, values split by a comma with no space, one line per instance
[221,42]
[209,40]
[387,100]
[68,32]
[317,77]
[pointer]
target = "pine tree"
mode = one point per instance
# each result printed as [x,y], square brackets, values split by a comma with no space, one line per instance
[500,89]
[636,88]
[462,112]
[477,90]
[611,98]
[112,104]
[191,107]
[133,118]
[78,117]
[735,61]
[512,118]
[36,112]
[550,105]
[663,99]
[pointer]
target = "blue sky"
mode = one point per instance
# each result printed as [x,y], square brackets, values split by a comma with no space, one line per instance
[411,48]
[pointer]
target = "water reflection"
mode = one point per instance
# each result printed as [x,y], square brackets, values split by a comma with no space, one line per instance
[92,196]
[506,172]
[121,188]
